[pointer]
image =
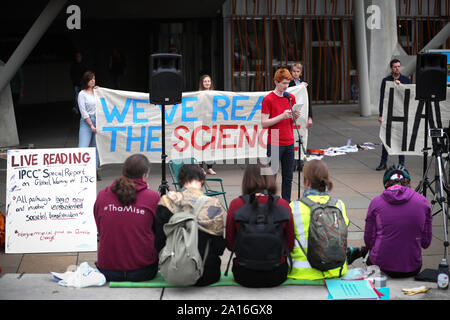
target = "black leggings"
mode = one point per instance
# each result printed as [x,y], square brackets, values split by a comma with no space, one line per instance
[394,274]
[144,274]
[260,279]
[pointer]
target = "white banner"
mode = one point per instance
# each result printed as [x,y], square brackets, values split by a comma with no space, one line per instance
[50,198]
[403,125]
[207,125]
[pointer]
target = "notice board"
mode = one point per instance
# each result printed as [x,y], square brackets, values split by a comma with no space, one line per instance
[50,196]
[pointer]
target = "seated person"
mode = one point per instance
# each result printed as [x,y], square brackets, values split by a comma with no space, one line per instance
[260,186]
[398,226]
[317,186]
[124,213]
[211,220]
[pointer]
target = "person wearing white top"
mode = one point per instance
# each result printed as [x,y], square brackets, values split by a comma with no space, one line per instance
[86,104]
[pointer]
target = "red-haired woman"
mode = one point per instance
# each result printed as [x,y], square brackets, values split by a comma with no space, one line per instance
[276,115]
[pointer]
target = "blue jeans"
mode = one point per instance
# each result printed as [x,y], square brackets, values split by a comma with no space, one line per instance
[86,137]
[286,158]
[144,274]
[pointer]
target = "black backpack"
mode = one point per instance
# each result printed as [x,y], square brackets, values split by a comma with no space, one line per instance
[260,242]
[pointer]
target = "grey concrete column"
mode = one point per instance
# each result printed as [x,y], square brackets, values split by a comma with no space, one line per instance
[361,52]
[8,130]
[30,40]
[382,40]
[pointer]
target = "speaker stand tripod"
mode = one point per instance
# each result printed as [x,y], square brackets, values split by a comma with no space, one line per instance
[164,187]
[439,193]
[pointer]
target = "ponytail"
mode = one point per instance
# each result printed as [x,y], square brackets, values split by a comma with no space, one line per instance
[125,190]
[323,185]
[134,167]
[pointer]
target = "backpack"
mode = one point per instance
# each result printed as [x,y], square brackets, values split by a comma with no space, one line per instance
[180,262]
[260,242]
[327,236]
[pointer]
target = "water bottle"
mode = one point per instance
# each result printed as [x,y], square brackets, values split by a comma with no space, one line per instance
[442,278]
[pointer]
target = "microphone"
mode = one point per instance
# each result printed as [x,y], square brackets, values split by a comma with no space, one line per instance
[287,95]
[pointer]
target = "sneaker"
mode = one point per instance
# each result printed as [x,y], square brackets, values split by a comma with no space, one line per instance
[84,276]
[382,166]
[211,171]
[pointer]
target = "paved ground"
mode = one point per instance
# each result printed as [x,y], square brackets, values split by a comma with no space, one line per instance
[26,276]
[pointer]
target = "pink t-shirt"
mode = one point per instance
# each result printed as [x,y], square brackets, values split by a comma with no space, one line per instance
[275,105]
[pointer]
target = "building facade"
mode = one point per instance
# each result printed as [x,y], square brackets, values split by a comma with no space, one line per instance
[240,43]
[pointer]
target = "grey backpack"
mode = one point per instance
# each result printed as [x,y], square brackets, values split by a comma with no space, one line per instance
[180,262]
[327,236]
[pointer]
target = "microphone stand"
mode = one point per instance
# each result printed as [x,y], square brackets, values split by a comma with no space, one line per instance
[300,144]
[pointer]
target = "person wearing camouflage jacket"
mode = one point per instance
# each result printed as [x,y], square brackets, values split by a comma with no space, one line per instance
[211,220]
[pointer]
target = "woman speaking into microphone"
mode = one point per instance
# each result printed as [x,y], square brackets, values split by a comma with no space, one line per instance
[276,115]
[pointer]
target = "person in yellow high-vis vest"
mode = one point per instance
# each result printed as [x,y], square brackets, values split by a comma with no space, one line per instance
[317,186]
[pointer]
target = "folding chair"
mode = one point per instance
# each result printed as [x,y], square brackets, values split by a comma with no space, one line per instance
[174,168]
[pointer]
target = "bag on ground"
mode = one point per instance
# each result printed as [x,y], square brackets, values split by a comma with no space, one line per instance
[327,237]
[180,262]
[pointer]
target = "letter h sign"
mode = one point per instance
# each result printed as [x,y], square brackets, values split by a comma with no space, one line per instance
[390,118]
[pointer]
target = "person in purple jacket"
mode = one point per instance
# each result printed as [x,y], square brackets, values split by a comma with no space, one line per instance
[125,214]
[398,226]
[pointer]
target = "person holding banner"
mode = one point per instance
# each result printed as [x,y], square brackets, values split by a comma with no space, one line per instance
[125,217]
[206,83]
[86,104]
[276,115]
[398,78]
[296,72]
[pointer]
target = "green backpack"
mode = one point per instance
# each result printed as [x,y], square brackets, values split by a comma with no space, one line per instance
[180,262]
[327,236]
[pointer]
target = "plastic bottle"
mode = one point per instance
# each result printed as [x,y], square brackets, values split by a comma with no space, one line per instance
[443,274]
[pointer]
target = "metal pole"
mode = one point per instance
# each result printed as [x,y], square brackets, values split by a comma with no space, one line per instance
[164,187]
[361,52]
[30,40]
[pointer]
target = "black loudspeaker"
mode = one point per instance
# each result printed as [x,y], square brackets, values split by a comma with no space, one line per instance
[431,76]
[165,78]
